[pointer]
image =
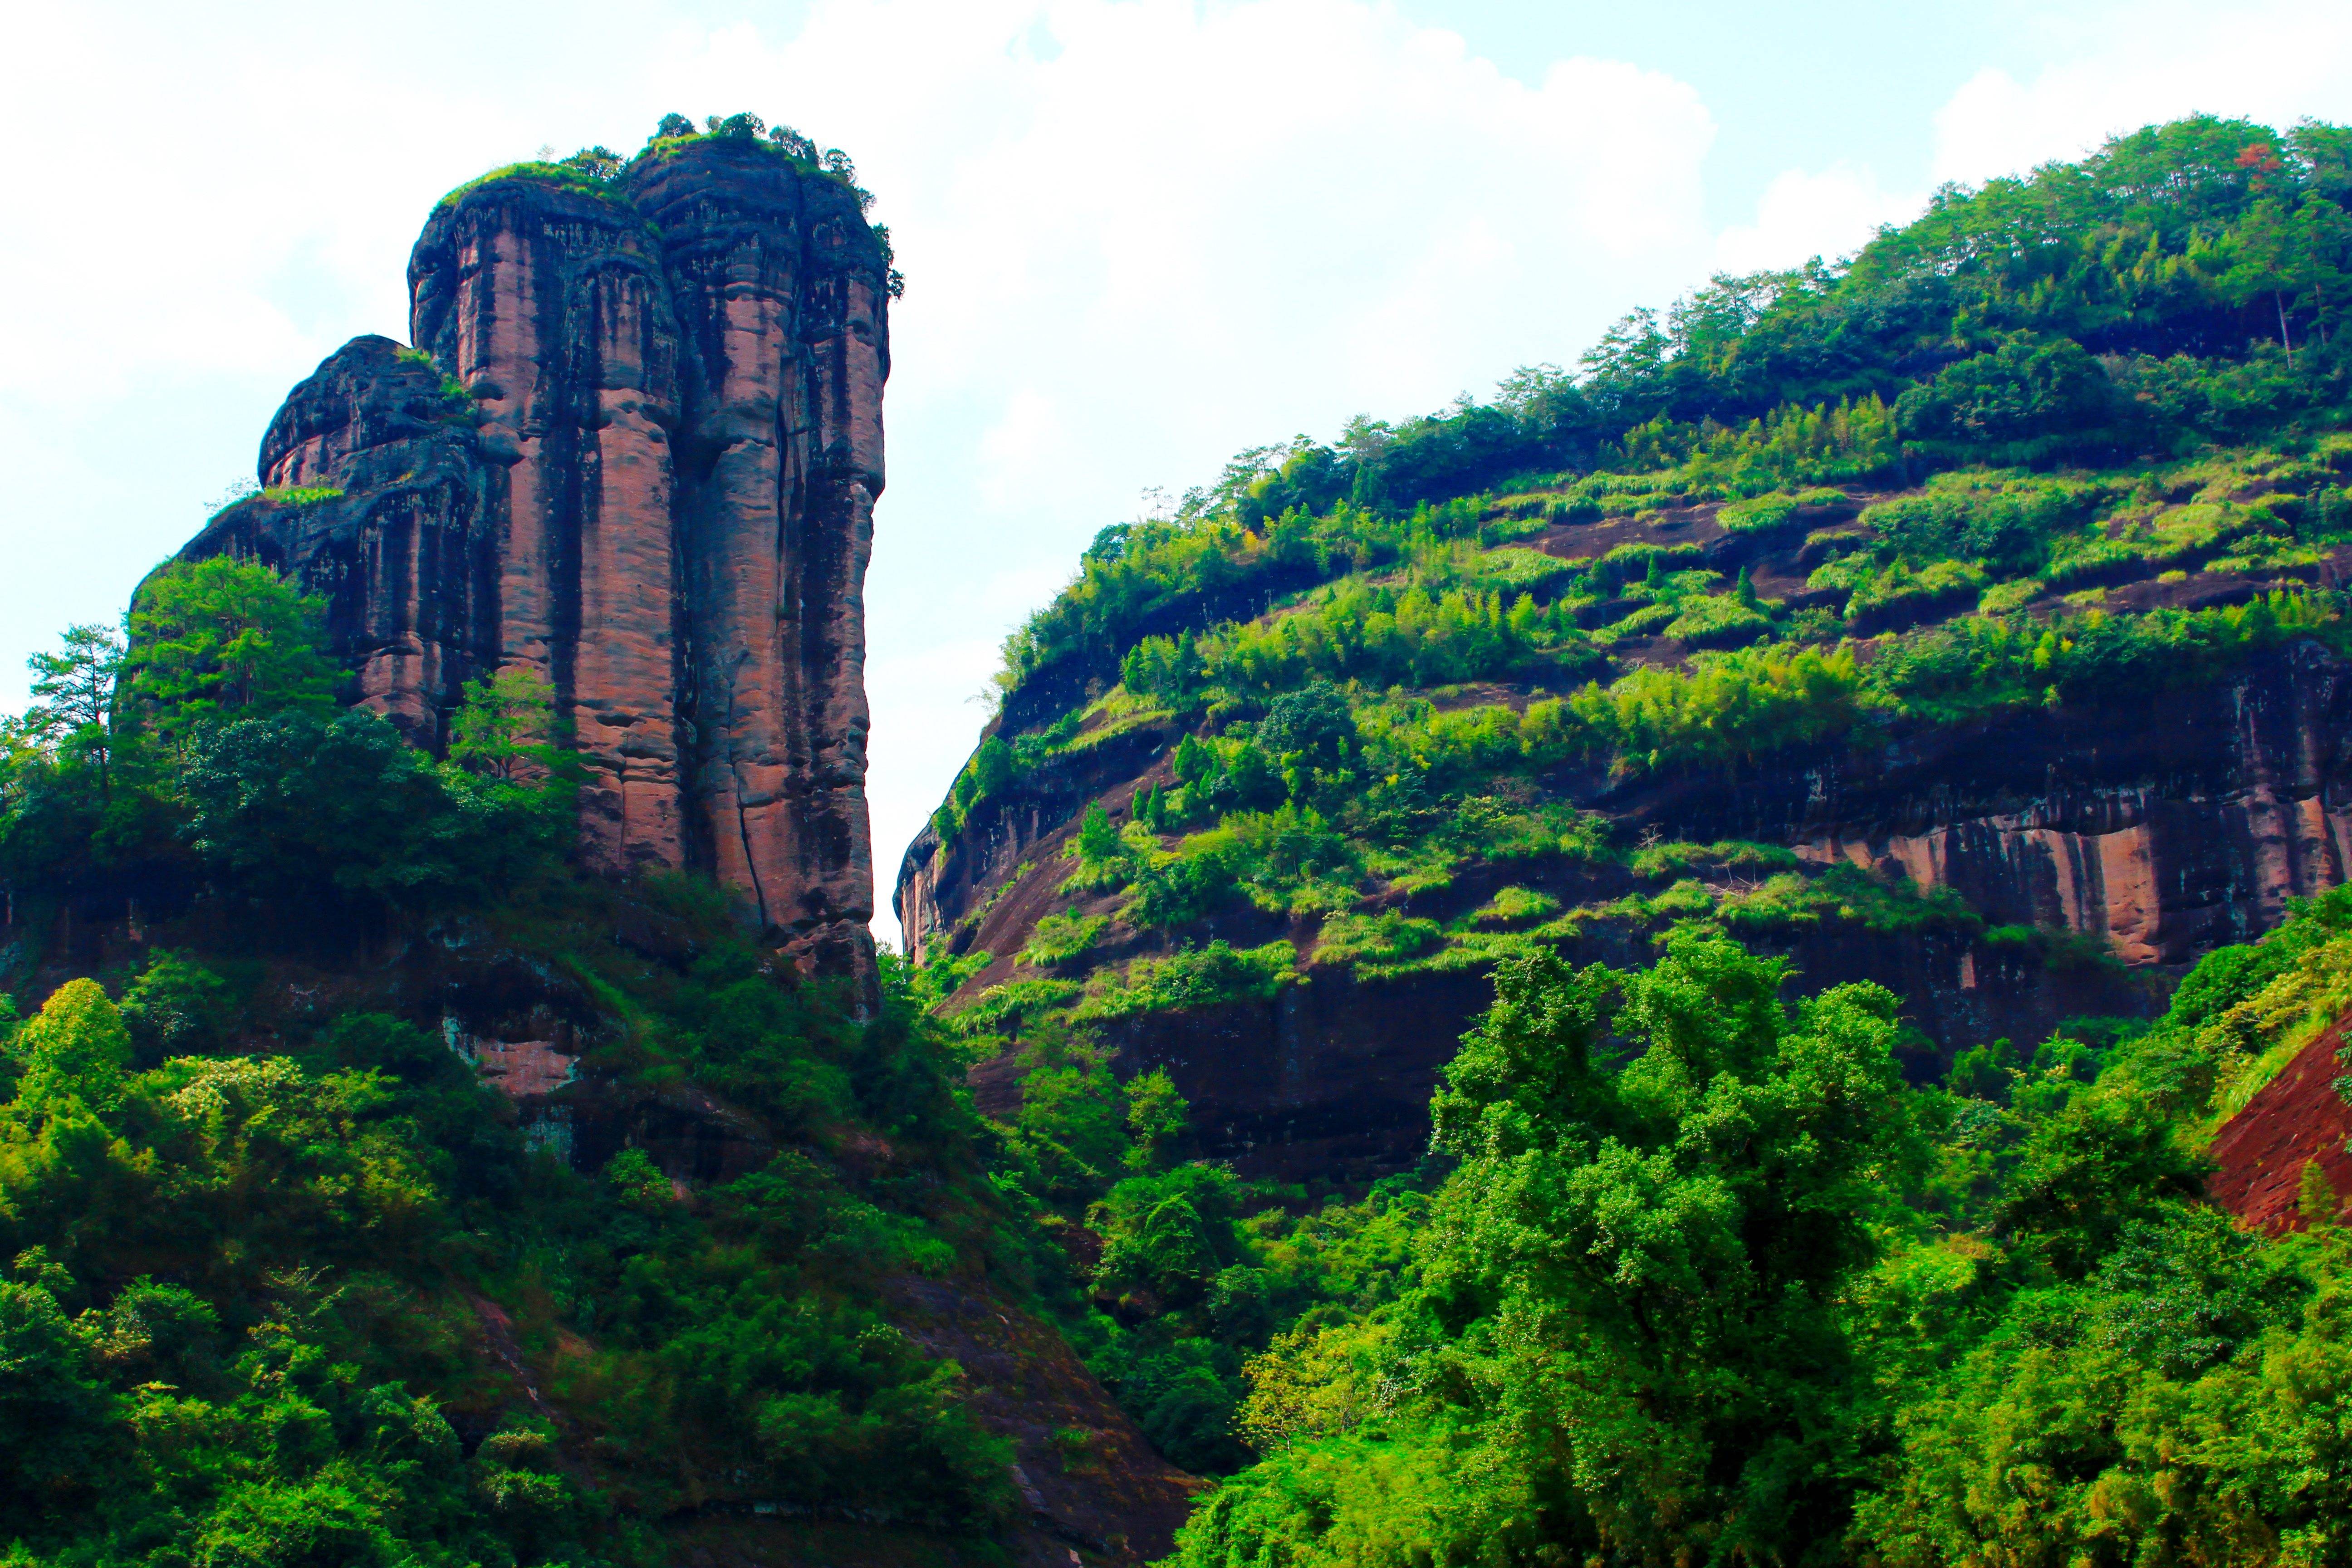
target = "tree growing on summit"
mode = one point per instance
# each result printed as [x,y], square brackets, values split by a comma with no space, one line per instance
[598,162]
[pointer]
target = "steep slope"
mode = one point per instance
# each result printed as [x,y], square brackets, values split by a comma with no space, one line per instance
[2033,821]
[2296,1121]
[634,452]
[1963,619]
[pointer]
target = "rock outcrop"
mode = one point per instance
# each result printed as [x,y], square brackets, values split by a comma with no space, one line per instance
[2297,1117]
[2157,841]
[637,450]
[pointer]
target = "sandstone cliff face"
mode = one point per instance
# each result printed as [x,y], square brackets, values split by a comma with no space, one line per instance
[2297,1117]
[650,478]
[2163,828]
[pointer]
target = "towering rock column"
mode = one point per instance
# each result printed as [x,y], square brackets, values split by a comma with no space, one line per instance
[548,305]
[650,479]
[776,280]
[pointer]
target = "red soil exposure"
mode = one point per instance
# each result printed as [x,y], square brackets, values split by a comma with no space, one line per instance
[2297,1116]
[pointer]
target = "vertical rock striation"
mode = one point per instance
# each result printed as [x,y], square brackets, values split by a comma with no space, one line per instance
[548,305]
[635,450]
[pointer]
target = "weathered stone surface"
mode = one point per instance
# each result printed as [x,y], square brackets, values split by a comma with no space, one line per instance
[779,298]
[2297,1117]
[406,557]
[650,478]
[2162,831]
[550,306]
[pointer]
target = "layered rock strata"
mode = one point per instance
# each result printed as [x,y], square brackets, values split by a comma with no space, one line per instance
[635,450]
[2155,831]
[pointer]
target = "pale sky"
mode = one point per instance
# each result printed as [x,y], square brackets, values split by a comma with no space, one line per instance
[1139,235]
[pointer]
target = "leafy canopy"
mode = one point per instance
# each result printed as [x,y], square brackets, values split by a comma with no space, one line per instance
[224,637]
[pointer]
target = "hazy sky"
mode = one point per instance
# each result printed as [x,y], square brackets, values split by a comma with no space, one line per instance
[1139,235]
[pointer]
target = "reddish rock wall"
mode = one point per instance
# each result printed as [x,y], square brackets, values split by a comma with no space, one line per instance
[2166,830]
[650,479]
[2297,1116]
[549,305]
[783,316]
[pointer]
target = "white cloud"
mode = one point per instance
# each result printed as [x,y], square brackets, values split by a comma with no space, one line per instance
[1801,214]
[1019,452]
[2277,61]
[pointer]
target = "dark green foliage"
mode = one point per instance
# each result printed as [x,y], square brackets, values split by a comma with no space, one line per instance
[1098,840]
[234,1322]
[175,1008]
[53,1427]
[1312,728]
[990,770]
[2026,389]
[303,806]
[223,638]
[1186,888]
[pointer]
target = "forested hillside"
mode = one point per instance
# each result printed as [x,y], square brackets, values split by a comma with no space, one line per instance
[1849,730]
[306,1267]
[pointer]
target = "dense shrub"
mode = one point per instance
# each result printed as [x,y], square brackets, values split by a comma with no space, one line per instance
[302,807]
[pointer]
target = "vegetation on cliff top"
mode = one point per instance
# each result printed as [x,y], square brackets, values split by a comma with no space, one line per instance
[591,170]
[1982,457]
[2182,288]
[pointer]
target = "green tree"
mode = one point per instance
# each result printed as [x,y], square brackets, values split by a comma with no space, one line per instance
[224,637]
[506,722]
[76,688]
[1624,1340]
[304,806]
[74,1048]
[52,1411]
[1098,841]
[2316,1198]
[1157,1115]
[175,1008]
